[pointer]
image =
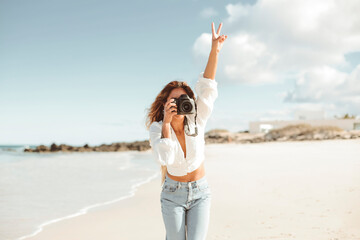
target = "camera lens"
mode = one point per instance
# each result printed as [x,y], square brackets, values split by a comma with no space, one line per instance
[187,107]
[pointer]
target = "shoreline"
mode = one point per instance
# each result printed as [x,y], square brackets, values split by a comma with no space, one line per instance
[100,216]
[87,209]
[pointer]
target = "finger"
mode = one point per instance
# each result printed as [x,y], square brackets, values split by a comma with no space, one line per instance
[166,107]
[171,104]
[169,107]
[213,29]
[169,101]
[218,31]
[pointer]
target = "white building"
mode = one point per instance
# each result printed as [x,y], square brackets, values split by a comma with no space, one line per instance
[313,118]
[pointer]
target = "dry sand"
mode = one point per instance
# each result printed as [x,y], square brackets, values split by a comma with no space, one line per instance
[306,190]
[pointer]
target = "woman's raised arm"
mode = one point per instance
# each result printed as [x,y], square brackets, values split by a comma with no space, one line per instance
[217,43]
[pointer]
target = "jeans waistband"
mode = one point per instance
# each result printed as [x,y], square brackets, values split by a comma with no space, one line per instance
[198,182]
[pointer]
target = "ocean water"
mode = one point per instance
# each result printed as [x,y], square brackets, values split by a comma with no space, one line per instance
[40,189]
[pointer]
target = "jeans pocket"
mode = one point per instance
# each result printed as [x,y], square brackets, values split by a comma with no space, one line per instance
[204,187]
[169,188]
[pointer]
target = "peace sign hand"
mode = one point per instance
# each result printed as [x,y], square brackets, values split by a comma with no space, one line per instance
[217,39]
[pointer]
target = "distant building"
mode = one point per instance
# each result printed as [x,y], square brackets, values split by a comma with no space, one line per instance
[313,118]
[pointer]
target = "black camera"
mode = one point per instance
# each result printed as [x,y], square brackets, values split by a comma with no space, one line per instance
[185,105]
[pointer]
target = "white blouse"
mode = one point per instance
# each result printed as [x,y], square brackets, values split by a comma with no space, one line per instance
[168,151]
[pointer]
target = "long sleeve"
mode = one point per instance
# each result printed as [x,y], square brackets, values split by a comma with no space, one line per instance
[206,90]
[163,148]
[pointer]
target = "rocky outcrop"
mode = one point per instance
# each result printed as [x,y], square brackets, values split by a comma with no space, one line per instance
[302,132]
[298,132]
[114,147]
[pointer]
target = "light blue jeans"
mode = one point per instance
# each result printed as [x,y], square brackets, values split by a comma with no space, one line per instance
[185,208]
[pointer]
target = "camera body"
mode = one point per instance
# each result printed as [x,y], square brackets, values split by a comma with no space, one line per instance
[185,105]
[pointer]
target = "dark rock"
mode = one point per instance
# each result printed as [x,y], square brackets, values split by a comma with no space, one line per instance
[53,147]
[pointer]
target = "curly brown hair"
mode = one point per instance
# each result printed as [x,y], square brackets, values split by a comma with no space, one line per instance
[155,113]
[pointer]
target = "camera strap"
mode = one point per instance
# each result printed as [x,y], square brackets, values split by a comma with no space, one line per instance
[187,129]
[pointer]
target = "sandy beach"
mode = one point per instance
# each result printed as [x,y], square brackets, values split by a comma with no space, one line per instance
[308,190]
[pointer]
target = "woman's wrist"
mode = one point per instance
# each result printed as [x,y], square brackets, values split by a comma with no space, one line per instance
[165,121]
[214,51]
[165,130]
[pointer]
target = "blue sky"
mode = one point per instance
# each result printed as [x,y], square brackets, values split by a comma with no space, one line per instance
[79,72]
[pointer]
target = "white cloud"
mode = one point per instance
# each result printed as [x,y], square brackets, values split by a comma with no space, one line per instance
[325,84]
[290,112]
[202,45]
[208,13]
[236,11]
[298,34]
[251,62]
[318,83]
[276,40]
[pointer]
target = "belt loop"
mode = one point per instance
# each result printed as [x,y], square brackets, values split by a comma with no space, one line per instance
[179,185]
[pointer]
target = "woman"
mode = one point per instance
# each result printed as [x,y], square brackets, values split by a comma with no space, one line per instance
[185,196]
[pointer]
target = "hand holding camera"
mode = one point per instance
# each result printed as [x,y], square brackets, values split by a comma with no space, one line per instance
[170,109]
[178,106]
